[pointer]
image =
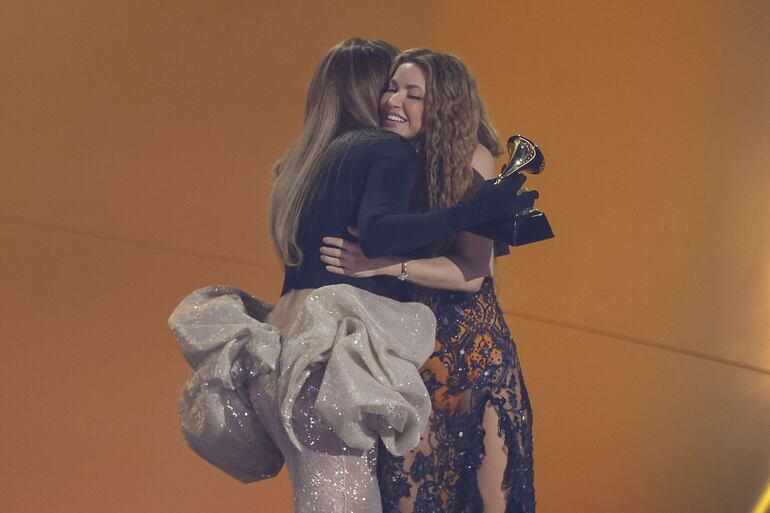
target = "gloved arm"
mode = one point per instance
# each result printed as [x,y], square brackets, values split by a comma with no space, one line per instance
[385,228]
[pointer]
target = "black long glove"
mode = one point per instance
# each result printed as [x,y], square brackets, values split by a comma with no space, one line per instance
[500,201]
[382,231]
[509,230]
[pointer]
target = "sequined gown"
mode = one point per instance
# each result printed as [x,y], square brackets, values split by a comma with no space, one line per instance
[459,465]
[316,393]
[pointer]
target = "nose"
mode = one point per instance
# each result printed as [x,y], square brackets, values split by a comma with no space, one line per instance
[394,100]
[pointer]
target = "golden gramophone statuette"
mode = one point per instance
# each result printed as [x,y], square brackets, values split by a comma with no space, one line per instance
[527,226]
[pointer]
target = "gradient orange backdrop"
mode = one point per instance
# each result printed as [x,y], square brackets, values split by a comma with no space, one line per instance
[136,140]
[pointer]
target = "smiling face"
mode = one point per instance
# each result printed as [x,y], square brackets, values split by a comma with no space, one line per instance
[403,102]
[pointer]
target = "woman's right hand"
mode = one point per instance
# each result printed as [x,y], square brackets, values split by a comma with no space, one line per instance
[501,201]
[345,257]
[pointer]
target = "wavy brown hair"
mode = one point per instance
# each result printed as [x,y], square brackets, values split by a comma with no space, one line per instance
[454,122]
[342,98]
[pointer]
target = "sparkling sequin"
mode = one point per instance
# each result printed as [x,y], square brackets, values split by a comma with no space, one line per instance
[475,365]
[344,374]
[225,345]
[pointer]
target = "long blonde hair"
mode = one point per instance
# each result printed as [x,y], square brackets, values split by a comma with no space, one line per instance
[454,122]
[343,96]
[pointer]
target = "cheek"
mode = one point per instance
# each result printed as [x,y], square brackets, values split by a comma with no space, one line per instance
[418,113]
[384,100]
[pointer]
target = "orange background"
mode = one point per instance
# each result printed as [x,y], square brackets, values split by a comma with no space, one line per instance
[136,140]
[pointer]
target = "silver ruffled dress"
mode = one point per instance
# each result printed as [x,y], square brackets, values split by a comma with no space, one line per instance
[316,397]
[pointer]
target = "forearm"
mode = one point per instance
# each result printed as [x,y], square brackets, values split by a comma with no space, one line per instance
[454,272]
[399,233]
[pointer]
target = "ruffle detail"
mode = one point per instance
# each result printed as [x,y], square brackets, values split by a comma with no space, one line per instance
[372,347]
[221,336]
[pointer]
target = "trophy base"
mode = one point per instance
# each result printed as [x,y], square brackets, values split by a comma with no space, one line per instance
[530,227]
[525,228]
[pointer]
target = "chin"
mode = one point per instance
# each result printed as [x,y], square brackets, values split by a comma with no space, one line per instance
[400,130]
[391,129]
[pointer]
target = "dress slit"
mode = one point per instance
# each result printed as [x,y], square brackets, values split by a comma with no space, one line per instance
[474,370]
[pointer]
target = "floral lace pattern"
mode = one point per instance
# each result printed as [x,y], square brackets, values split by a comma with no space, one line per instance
[474,370]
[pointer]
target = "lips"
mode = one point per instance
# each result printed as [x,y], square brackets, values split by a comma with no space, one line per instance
[393,122]
[395,118]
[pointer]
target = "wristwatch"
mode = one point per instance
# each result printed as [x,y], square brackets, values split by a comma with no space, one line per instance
[404,273]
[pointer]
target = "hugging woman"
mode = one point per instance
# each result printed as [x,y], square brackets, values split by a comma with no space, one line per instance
[317,379]
[476,452]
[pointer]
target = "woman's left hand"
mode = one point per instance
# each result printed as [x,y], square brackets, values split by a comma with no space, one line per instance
[345,257]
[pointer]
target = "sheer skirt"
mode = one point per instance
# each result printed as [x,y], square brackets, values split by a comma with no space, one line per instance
[327,476]
[476,453]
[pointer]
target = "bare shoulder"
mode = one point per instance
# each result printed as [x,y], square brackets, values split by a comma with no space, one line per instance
[483,162]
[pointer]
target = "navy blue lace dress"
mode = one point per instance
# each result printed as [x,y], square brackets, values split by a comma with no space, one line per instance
[478,446]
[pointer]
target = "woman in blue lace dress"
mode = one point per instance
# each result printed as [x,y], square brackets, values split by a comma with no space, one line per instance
[477,451]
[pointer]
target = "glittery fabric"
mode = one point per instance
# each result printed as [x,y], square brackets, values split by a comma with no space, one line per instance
[372,347]
[344,375]
[458,466]
[226,346]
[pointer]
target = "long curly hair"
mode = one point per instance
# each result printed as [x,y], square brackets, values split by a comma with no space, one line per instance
[454,122]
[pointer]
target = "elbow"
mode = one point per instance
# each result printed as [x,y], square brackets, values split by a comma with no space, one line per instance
[473,285]
[473,274]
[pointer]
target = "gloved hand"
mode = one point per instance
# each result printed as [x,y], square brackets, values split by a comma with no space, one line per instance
[501,201]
